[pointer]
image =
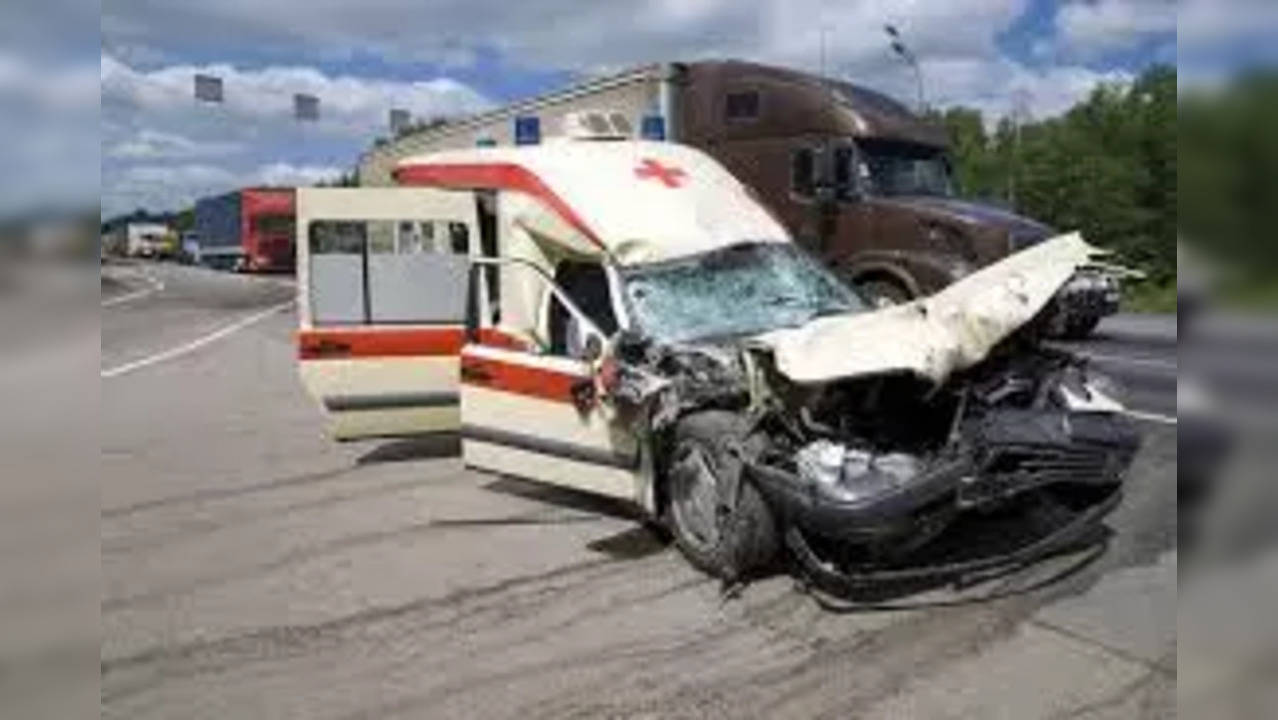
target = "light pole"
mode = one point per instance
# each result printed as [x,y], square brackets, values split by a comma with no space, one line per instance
[899,47]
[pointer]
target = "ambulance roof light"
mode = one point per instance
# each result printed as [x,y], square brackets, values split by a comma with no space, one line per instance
[597,125]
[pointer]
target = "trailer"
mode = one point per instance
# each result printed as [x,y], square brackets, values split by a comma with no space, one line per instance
[857,177]
[249,230]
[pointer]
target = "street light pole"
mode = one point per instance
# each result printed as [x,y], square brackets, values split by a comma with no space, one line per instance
[904,52]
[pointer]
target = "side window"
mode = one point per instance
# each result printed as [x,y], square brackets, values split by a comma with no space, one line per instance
[337,271]
[586,284]
[459,238]
[387,271]
[803,172]
[742,106]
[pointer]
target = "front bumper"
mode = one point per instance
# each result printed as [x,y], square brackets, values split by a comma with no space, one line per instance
[1090,294]
[1000,457]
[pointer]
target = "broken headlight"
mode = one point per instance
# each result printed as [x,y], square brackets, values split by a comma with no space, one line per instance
[854,475]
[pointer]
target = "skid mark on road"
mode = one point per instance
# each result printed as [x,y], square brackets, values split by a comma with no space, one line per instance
[325,549]
[209,494]
[270,643]
[196,344]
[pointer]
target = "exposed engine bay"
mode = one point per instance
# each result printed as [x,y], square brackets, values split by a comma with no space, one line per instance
[860,473]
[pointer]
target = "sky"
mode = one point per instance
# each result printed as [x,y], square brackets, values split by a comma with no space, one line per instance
[159,149]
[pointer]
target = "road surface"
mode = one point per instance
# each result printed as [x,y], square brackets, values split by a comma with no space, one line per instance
[253,568]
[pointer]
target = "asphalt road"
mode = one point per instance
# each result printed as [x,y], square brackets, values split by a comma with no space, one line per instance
[253,568]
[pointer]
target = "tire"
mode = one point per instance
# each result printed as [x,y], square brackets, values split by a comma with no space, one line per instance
[1079,328]
[881,292]
[726,543]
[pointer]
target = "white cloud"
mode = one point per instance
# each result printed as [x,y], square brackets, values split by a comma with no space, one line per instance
[162,149]
[957,43]
[148,144]
[280,173]
[1093,27]
[996,87]
[348,105]
[567,34]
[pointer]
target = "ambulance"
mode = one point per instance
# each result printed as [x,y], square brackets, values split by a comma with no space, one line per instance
[624,318]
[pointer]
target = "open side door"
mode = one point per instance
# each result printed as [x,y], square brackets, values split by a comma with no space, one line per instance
[534,413]
[381,296]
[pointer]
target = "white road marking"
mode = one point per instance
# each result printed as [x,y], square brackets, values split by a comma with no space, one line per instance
[1119,359]
[195,344]
[155,286]
[1151,417]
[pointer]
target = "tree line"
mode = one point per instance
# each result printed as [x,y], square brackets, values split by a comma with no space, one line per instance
[1107,167]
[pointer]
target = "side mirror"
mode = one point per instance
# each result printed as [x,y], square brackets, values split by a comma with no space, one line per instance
[592,350]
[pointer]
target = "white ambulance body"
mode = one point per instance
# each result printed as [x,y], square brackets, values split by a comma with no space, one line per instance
[547,227]
[381,289]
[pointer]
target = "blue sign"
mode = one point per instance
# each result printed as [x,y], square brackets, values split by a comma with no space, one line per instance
[527,130]
[652,127]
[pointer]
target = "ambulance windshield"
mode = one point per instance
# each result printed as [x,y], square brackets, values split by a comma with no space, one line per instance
[738,290]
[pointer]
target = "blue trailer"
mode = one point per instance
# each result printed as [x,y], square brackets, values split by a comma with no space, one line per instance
[217,221]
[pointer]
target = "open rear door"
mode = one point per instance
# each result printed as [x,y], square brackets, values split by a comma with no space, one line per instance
[532,412]
[381,296]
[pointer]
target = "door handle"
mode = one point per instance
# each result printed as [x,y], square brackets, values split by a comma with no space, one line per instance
[475,373]
[328,348]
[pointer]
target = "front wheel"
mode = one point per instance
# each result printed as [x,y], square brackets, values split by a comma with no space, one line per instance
[1081,327]
[725,540]
[883,293]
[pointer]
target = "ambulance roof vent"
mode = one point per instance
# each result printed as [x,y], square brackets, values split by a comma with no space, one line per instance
[597,125]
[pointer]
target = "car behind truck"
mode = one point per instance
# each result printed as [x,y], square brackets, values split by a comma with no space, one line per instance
[857,179]
[623,318]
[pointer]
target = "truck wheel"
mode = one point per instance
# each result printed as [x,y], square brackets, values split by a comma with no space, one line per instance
[880,292]
[1080,327]
[726,542]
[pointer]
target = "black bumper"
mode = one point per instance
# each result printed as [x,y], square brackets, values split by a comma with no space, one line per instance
[1088,296]
[1000,457]
[1082,532]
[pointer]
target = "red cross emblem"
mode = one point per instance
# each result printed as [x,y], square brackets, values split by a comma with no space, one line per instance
[669,176]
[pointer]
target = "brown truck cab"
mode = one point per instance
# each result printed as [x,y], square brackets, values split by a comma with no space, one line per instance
[863,183]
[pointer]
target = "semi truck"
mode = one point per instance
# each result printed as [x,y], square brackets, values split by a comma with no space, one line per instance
[855,176]
[249,230]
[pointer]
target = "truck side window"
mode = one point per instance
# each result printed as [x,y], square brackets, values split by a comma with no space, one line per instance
[803,172]
[741,106]
[844,160]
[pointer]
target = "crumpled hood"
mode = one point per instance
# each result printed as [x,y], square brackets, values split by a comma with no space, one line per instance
[935,336]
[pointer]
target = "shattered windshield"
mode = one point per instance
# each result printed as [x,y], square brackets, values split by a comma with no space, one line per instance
[898,168]
[738,290]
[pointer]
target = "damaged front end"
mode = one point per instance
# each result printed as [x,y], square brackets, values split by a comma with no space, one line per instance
[880,478]
[934,440]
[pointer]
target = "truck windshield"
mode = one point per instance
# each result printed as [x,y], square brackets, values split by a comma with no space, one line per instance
[738,290]
[898,168]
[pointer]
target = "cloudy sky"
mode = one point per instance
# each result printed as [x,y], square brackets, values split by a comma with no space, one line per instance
[160,149]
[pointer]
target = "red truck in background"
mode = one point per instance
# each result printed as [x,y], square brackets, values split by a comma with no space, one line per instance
[249,230]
